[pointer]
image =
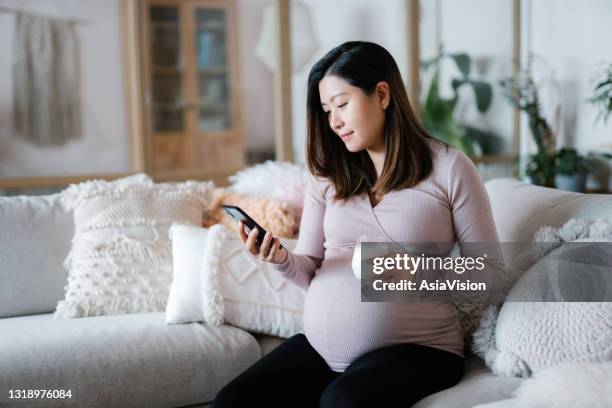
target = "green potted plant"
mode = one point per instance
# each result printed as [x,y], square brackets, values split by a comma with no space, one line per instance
[522,91]
[571,170]
[602,92]
[437,112]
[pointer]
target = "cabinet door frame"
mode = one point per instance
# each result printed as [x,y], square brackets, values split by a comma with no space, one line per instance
[204,140]
[229,7]
[189,143]
[172,140]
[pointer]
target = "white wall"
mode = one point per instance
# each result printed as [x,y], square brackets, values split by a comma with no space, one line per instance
[569,38]
[573,37]
[346,20]
[461,26]
[483,30]
[103,147]
[257,81]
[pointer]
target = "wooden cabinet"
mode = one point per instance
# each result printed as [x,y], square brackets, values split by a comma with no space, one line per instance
[191,90]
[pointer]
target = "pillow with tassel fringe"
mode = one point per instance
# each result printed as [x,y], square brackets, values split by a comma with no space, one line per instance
[121,256]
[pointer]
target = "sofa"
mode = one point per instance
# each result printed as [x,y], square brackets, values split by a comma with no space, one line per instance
[137,360]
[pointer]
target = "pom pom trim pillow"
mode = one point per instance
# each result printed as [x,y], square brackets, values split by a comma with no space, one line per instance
[526,337]
[121,259]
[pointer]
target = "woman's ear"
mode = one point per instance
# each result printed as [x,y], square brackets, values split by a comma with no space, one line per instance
[382,94]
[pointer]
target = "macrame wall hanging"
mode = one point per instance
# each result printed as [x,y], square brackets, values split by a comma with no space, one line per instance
[46,89]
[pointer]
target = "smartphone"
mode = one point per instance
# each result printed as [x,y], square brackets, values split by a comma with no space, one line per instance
[238,214]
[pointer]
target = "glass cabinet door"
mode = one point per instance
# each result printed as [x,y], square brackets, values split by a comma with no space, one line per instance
[193,107]
[166,69]
[212,70]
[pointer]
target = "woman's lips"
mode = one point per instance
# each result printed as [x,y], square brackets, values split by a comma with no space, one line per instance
[346,136]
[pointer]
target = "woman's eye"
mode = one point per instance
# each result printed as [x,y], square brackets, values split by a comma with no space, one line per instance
[343,105]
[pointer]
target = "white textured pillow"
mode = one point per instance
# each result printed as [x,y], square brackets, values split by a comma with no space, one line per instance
[235,287]
[526,337]
[120,260]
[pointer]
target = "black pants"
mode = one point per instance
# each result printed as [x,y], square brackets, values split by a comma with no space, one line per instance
[295,375]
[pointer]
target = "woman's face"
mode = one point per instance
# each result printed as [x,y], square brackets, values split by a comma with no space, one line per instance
[358,119]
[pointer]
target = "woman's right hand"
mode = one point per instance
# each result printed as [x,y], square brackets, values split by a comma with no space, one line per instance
[269,250]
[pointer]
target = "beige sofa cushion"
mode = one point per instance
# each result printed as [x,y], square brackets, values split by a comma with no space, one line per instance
[35,234]
[521,209]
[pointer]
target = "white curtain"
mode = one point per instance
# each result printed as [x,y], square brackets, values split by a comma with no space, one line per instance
[46,99]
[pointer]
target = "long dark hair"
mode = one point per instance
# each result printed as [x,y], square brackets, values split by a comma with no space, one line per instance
[408,158]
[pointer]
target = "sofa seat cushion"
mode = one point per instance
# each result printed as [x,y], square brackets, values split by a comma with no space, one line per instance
[478,386]
[267,343]
[123,360]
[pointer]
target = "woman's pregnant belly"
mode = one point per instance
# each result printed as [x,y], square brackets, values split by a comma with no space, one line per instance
[341,328]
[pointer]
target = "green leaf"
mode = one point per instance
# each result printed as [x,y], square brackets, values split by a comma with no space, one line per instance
[432,97]
[604,83]
[483,93]
[432,61]
[489,142]
[463,63]
[456,83]
[468,147]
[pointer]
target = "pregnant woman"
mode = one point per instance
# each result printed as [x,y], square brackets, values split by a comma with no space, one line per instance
[375,172]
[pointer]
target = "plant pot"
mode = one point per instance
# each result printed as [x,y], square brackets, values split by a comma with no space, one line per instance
[539,181]
[575,182]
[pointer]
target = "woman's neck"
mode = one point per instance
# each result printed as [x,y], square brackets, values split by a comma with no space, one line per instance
[378,159]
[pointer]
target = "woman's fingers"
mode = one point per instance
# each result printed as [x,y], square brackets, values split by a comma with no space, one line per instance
[241,233]
[251,242]
[265,246]
[273,251]
[269,248]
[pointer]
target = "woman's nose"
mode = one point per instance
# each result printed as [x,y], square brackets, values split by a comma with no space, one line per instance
[336,121]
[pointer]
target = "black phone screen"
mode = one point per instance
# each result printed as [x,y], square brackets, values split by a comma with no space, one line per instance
[238,214]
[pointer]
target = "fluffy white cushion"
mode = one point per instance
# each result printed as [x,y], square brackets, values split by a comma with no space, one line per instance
[120,260]
[585,385]
[526,337]
[281,181]
[233,285]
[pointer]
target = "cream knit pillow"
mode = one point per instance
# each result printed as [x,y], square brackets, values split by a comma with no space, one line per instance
[121,258]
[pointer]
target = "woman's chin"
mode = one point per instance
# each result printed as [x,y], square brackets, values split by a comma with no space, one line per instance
[353,147]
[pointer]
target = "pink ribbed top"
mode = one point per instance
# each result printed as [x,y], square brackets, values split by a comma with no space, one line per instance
[450,205]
